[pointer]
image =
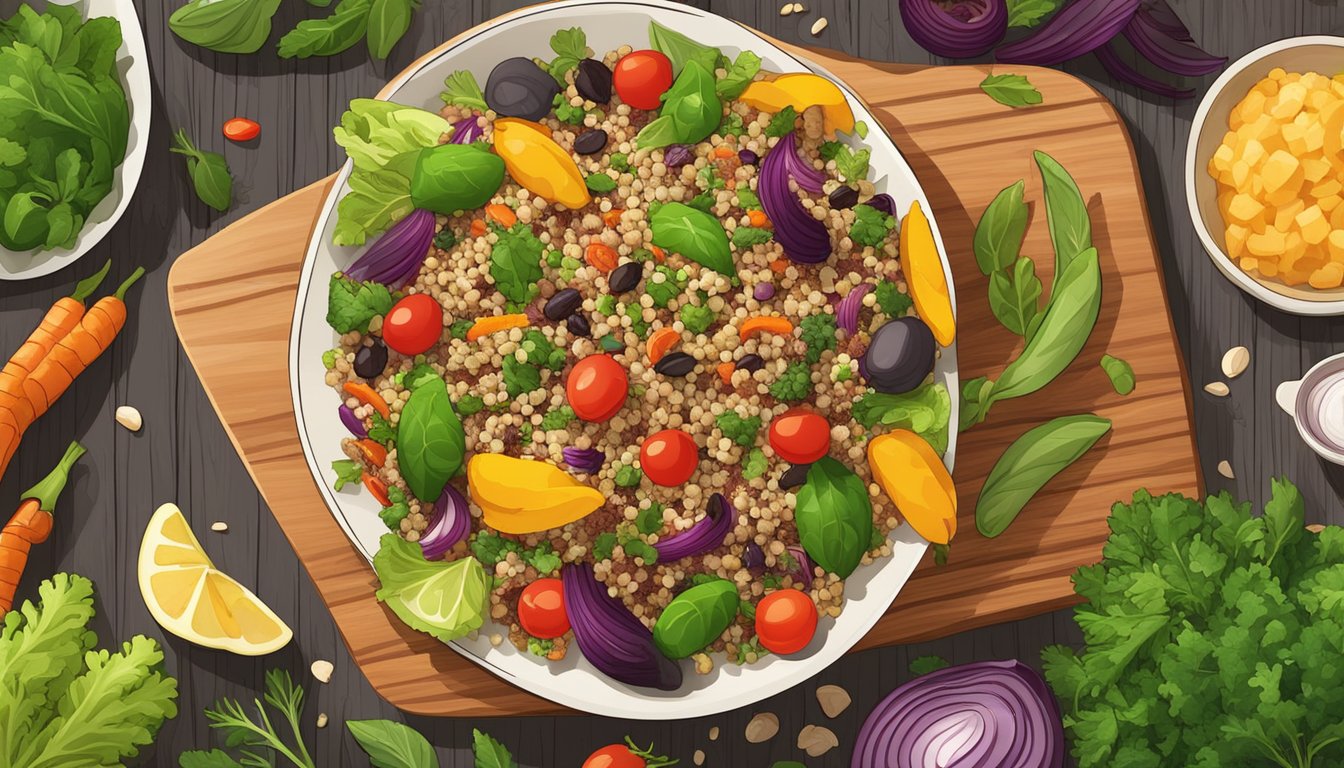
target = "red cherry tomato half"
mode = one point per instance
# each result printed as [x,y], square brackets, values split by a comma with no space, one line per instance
[642,77]
[541,609]
[241,129]
[669,457]
[597,388]
[626,755]
[786,620]
[414,324]
[800,436]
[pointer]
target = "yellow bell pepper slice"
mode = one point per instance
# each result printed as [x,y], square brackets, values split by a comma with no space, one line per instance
[914,477]
[800,91]
[923,269]
[534,160]
[521,496]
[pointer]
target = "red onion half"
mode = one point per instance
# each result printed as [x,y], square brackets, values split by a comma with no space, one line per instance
[395,258]
[1160,36]
[990,714]
[1122,71]
[1079,27]
[961,30]
[805,240]
[449,524]
[586,460]
[610,637]
[707,534]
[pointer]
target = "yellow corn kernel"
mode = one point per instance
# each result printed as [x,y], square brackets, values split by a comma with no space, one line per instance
[1235,239]
[1328,204]
[1249,264]
[1269,243]
[1222,158]
[1326,188]
[1251,107]
[1311,222]
[1335,243]
[1243,207]
[1328,276]
[1279,170]
[1255,153]
[1289,101]
[1283,218]
[1314,169]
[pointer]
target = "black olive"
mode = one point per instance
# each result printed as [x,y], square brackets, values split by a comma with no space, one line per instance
[579,326]
[590,142]
[626,277]
[843,197]
[370,361]
[675,364]
[562,304]
[900,355]
[752,363]
[753,556]
[519,88]
[592,80]
[794,476]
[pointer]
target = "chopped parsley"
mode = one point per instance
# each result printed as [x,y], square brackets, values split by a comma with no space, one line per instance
[818,335]
[329,358]
[782,123]
[539,647]
[603,546]
[557,418]
[891,301]
[745,237]
[382,431]
[515,263]
[394,513]
[628,476]
[650,519]
[853,166]
[461,89]
[740,430]
[619,161]
[352,304]
[794,384]
[600,183]
[468,405]
[347,471]
[747,198]
[459,329]
[753,464]
[606,304]
[667,290]
[871,226]
[732,125]
[696,318]
[445,239]
[541,351]
[520,378]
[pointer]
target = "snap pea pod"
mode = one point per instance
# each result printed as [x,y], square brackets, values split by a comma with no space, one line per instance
[695,618]
[1029,463]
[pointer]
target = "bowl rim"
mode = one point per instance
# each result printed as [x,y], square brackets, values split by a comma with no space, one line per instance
[1212,247]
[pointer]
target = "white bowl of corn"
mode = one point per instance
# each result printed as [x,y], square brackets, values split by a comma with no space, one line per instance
[1265,174]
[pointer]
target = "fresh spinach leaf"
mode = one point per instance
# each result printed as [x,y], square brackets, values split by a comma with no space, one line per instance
[489,753]
[696,618]
[346,25]
[515,263]
[209,173]
[455,177]
[431,443]
[681,49]
[600,183]
[998,235]
[690,113]
[1070,227]
[1029,463]
[1014,297]
[1120,374]
[739,76]
[834,516]
[225,26]
[679,228]
[1011,90]
[782,123]
[520,378]
[392,745]
[388,22]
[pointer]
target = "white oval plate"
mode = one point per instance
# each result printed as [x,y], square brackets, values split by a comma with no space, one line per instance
[133,66]
[573,682]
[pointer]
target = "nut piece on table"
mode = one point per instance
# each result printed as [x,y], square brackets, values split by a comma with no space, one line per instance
[833,700]
[322,720]
[819,25]
[762,727]
[128,417]
[1225,469]
[322,670]
[219,526]
[1216,388]
[786,9]
[1235,361]
[817,740]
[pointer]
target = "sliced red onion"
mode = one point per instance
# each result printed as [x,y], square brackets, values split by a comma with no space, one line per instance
[961,30]
[1173,50]
[1122,71]
[753,556]
[804,570]
[395,258]
[990,714]
[706,535]
[847,313]
[882,202]
[808,177]
[353,422]
[466,131]
[449,524]
[587,460]
[610,637]
[805,239]
[1078,28]
[678,155]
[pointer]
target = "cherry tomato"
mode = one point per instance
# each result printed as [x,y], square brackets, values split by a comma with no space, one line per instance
[800,436]
[642,77]
[241,129]
[626,755]
[786,620]
[597,388]
[669,457]
[541,609]
[414,324]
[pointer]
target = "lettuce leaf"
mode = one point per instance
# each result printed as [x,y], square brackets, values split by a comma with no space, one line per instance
[383,139]
[446,599]
[925,411]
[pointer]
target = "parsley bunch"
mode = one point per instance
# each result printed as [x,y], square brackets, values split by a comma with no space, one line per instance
[1213,638]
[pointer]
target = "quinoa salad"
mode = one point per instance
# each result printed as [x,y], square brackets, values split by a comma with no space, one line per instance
[635,357]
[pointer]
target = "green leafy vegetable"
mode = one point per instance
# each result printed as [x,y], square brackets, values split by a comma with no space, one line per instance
[468,405]
[460,328]
[834,516]
[388,22]
[1028,465]
[926,411]
[490,753]
[348,472]
[461,89]
[392,745]
[432,445]
[225,26]
[782,123]
[604,545]
[1070,227]
[382,431]
[853,166]
[346,26]
[754,464]
[745,237]
[542,351]
[444,598]
[628,476]
[731,125]
[696,318]
[871,227]
[998,235]
[456,177]
[515,263]
[649,520]
[1212,638]
[394,513]
[680,49]
[1011,90]
[65,703]
[818,333]
[891,301]
[247,735]
[1029,13]
[926,664]
[690,113]
[739,429]
[793,384]
[600,183]
[352,304]
[1120,374]
[695,618]
[557,418]
[697,235]
[739,76]
[747,198]
[570,46]
[1014,297]
[538,647]
[209,173]
[520,378]
[619,161]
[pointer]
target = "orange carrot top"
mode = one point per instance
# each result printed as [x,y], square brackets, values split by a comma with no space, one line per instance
[49,489]
[31,524]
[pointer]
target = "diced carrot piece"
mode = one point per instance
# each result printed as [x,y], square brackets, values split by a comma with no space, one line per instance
[612,218]
[601,256]
[365,394]
[377,488]
[658,254]
[485,326]
[478,227]
[660,342]
[501,214]
[723,150]
[758,218]
[778,266]
[726,371]
[374,453]
[756,325]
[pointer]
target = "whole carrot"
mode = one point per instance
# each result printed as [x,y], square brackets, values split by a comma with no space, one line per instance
[62,318]
[30,525]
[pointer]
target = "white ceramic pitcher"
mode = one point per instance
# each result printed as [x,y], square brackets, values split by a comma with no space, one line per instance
[1293,396]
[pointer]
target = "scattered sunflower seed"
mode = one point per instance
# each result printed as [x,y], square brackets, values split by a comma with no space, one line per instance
[699,757]
[1235,361]
[128,417]
[1216,388]
[817,27]
[1315,527]
[833,700]
[219,526]
[1225,469]
[786,9]
[762,727]
[714,733]
[322,720]
[798,8]
[496,639]
[322,670]
[817,740]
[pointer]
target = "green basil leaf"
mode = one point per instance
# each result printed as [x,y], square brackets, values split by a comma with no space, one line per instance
[975,401]
[1011,90]
[926,411]
[25,223]
[679,228]
[431,443]
[1028,465]
[226,26]
[691,111]
[1029,13]
[346,26]
[739,75]
[681,49]
[600,183]
[834,516]
[998,236]
[1120,373]
[392,745]
[1069,319]
[375,200]
[388,22]
[455,177]
[1070,227]
[695,618]
[209,173]
[199,758]
[489,753]
[1015,299]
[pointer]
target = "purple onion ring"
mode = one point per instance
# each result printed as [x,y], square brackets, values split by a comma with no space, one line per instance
[707,534]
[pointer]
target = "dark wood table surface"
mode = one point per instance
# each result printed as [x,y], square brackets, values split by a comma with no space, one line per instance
[183,455]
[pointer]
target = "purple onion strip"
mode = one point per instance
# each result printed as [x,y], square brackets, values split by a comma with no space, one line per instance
[1122,71]
[847,314]
[804,570]
[805,240]
[1174,52]
[449,524]
[610,637]
[395,258]
[707,534]
[586,460]
[466,131]
[966,29]
[808,177]
[882,202]
[1078,28]
[353,422]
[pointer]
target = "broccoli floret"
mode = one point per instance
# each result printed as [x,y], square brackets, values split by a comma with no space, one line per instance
[818,334]
[557,418]
[871,226]
[794,384]
[697,319]
[739,430]
[628,476]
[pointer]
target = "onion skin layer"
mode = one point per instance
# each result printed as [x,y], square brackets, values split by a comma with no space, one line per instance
[943,34]
[1078,28]
[610,637]
[805,240]
[395,258]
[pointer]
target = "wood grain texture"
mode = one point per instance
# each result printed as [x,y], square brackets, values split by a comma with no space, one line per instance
[964,147]
[184,455]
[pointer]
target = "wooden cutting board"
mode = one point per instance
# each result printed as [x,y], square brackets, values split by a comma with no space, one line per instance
[232,299]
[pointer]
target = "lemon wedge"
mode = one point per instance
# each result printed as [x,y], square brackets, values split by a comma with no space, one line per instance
[192,599]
